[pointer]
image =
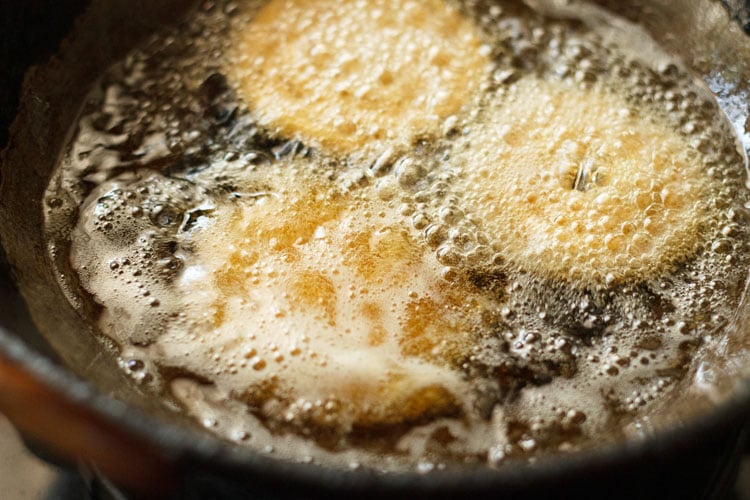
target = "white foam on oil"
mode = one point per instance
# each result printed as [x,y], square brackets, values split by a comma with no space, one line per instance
[327,300]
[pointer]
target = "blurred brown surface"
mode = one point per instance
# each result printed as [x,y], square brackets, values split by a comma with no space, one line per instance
[22,475]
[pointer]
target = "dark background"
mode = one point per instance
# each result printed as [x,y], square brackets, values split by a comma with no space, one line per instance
[21,47]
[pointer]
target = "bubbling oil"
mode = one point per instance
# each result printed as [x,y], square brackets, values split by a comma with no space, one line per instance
[530,267]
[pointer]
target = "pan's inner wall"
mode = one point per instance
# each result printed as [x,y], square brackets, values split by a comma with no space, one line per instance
[30,33]
[51,101]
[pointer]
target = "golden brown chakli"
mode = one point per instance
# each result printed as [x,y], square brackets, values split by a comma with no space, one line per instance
[579,185]
[352,74]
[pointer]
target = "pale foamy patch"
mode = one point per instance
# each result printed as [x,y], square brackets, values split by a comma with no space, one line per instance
[322,307]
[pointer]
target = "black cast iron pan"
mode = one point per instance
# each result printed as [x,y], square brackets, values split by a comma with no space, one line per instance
[65,394]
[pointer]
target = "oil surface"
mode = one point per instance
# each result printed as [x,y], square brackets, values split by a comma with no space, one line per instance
[327,233]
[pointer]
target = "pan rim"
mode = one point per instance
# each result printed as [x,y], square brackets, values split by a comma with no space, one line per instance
[185,445]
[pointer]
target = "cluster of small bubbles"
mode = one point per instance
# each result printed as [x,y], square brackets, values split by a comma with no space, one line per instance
[642,396]
[138,369]
[146,212]
[558,429]
[323,412]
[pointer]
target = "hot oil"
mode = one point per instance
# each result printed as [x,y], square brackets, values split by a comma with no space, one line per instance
[528,270]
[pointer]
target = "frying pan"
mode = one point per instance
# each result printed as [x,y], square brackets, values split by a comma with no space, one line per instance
[63,389]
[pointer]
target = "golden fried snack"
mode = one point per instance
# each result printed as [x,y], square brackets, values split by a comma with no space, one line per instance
[351,74]
[578,185]
[309,295]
